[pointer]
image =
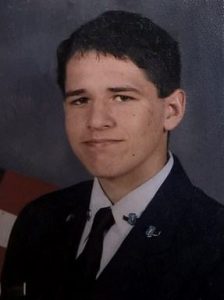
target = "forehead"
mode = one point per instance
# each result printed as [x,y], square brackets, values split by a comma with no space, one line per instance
[93,66]
[100,61]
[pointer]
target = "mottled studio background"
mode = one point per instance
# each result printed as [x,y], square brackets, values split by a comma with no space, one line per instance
[31,120]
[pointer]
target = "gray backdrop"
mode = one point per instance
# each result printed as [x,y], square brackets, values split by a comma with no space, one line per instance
[32,137]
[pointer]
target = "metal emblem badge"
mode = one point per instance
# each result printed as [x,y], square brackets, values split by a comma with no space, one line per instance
[131,219]
[151,232]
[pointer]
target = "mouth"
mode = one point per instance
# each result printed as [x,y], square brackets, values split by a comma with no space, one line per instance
[100,143]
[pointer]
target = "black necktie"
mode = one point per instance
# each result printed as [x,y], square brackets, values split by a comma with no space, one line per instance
[88,262]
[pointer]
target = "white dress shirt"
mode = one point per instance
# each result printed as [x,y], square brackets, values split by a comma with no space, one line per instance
[134,202]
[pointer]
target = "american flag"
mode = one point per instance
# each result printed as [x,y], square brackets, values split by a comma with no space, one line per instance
[16,190]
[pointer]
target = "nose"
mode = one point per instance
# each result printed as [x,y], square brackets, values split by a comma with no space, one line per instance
[100,116]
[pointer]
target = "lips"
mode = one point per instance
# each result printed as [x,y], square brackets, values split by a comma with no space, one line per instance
[101,142]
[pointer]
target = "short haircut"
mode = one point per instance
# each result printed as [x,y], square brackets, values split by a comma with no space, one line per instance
[126,35]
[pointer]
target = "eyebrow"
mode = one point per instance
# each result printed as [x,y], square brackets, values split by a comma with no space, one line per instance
[123,89]
[75,93]
[111,89]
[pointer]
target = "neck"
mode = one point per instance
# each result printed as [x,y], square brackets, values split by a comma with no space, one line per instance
[117,187]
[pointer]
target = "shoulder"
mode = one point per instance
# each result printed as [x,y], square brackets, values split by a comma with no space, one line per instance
[202,215]
[51,208]
[179,182]
[207,213]
[201,224]
[68,196]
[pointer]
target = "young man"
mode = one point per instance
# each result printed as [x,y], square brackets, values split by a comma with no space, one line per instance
[140,229]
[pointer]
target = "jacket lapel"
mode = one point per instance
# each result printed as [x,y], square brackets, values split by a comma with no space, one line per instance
[155,231]
[75,219]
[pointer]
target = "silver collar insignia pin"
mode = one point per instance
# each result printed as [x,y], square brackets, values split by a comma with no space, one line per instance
[152,232]
[131,219]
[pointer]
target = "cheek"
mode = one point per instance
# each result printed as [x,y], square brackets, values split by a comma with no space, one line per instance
[139,132]
[144,128]
[71,130]
[136,123]
[72,122]
[155,119]
[68,125]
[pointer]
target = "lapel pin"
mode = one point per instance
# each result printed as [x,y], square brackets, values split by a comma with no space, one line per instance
[131,219]
[151,232]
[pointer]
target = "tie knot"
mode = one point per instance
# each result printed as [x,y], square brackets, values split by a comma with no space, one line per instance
[103,220]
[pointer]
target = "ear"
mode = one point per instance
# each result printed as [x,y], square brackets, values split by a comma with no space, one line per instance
[174,109]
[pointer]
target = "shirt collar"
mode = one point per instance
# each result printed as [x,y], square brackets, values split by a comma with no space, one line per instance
[134,202]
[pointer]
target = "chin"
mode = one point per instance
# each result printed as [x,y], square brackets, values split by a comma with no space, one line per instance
[102,172]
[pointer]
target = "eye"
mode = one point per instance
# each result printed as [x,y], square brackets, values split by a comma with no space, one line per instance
[79,101]
[123,98]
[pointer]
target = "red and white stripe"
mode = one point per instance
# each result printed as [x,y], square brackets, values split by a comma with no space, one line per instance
[6,223]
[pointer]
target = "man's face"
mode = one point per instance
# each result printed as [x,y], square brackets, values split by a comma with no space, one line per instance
[114,117]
